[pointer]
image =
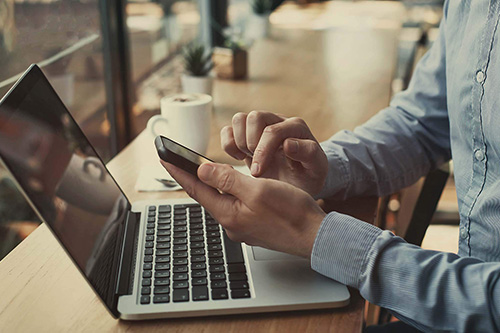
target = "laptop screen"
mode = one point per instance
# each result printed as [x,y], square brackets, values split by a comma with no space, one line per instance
[63,177]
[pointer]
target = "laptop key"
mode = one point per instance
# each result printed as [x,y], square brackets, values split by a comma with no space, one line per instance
[195,220]
[236,268]
[162,274]
[215,254]
[163,252]
[180,269]
[180,247]
[161,299]
[197,252]
[163,232]
[238,277]
[199,238]
[180,254]
[162,290]
[162,266]
[150,232]
[216,261]
[181,276]
[196,232]
[213,240]
[148,244]
[147,274]
[145,299]
[148,259]
[217,276]
[163,227]
[217,269]
[234,254]
[238,285]
[150,238]
[181,295]
[198,265]
[147,266]
[212,227]
[146,282]
[218,284]
[145,290]
[180,234]
[219,294]
[163,215]
[240,293]
[164,221]
[180,285]
[180,261]
[198,259]
[180,228]
[151,219]
[180,223]
[199,282]
[197,245]
[150,208]
[198,274]
[164,208]
[178,241]
[163,245]
[148,252]
[151,213]
[215,247]
[163,239]
[162,282]
[196,226]
[162,259]
[200,293]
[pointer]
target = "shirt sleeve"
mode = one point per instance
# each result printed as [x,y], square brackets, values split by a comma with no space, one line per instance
[401,143]
[433,291]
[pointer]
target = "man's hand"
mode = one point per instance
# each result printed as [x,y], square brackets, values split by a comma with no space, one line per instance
[261,212]
[278,148]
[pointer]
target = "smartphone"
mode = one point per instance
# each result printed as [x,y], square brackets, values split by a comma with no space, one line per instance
[178,155]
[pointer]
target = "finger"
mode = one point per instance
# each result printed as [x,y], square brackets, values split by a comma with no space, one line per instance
[206,195]
[272,138]
[308,152]
[239,124]
[226,179]
[229,145]
[257,121]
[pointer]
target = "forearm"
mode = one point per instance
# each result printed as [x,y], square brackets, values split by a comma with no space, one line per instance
[436,290]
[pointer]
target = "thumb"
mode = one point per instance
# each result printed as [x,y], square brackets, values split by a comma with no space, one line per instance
[224,178]
[308,152]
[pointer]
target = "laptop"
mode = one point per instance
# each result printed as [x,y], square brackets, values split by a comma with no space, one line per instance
[148,259]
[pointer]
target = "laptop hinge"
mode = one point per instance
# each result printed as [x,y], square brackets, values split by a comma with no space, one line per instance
[128,254]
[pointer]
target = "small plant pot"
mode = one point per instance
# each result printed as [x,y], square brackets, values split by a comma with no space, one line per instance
[230,64]
[258,26]
[197,84]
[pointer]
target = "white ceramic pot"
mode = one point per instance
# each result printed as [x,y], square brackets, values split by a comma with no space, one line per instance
[258,26]
[197,84]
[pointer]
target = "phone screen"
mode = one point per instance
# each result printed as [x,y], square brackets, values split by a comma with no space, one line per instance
[180,156]
[185,152]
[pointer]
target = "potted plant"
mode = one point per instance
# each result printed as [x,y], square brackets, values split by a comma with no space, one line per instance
[197,63]
[231,61]
[258,26]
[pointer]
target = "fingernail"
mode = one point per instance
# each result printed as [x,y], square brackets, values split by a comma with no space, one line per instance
[205,171]
[293,146]
[255,168]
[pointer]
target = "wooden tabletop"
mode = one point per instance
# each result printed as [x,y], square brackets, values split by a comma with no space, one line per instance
[333,78]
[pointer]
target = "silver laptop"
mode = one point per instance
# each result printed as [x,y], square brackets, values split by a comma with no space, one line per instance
[144,260]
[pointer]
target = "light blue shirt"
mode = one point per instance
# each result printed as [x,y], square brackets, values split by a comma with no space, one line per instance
[451,109]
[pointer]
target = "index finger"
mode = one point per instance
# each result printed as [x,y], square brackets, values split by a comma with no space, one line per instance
[272,138]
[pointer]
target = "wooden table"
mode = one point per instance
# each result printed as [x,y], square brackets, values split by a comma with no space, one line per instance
[332,78]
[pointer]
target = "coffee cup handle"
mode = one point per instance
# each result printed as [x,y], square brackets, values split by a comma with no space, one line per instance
[152,122]
[95,162]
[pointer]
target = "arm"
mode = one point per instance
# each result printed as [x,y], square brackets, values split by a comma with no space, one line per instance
[428,289]
[401,143]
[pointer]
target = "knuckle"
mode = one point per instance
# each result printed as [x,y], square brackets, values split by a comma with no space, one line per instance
[297,120]
[273,129]
[225,181]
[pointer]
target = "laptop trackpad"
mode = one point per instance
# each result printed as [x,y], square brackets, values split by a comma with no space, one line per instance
[261,254]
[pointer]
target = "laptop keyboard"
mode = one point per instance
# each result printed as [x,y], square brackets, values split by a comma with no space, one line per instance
[184,258]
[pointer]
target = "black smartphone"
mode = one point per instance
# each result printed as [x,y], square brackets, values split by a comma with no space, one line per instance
[178,155]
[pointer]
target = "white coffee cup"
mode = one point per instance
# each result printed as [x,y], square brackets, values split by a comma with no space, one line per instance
[184,118]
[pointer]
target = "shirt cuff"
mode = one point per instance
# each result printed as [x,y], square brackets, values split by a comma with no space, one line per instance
[341,248]
[337,177]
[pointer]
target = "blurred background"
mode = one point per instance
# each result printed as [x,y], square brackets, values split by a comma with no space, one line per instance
[112,60]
